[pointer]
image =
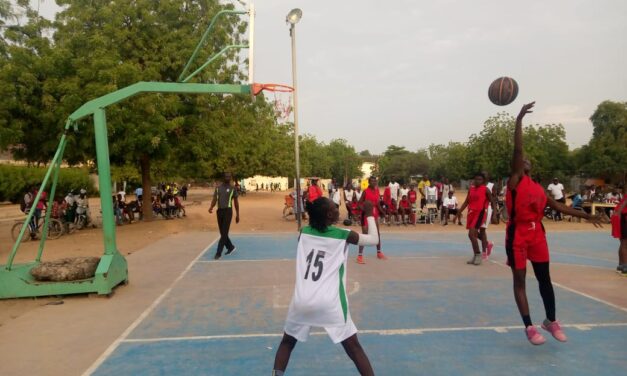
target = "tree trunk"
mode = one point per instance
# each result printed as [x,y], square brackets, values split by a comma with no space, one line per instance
[147,191]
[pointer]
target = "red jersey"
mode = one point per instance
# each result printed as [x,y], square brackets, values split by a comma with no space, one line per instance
[526,203]
[404,204]
[413,196]
[477,199]
[387,196]
[372,195]
[313,193]
[619,204]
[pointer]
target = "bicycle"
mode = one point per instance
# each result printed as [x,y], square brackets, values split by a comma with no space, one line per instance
[55,229]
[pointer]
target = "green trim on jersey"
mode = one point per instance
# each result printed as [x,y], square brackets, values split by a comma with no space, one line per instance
[343,300]
[331,232]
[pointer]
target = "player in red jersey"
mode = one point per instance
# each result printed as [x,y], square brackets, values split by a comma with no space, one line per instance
[525,238]
[412,195]
[371,194]
[477,201]
[619,231]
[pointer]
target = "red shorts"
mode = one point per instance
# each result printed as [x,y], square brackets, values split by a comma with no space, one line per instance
[619,226]
[525,241]
[476,218]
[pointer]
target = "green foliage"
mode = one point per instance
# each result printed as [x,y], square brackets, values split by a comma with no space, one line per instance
[450,161]
[606,154]
[15,181]
[401,163]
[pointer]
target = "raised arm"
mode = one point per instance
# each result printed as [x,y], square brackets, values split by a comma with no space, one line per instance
[518,164]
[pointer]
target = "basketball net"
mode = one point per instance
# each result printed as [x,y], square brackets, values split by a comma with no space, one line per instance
[282,99]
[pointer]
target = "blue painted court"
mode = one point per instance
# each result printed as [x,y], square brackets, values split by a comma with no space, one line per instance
[422,312]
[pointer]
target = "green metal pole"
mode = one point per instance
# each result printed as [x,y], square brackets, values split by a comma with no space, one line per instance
[29,217]
[53,189]
[104,181]
[204,38]
[212,58]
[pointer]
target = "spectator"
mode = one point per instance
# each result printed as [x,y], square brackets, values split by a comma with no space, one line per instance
[450,206]
[578,200]
[439,187]
[446,188]
[184,192]
[403,191]
[139,193]
[123,194]
[332,188]
[413,199]
[358,192]
[556,189]
[424,182]
[313,192]
[349,194]
[614,196]
[394,188]
[405,209]
[392,212]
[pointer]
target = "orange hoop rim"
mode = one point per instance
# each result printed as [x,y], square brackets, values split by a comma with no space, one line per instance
[258,88]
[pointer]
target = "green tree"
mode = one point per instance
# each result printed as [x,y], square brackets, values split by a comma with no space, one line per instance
[345,162]
[606,153]
[400,163]
[450,161]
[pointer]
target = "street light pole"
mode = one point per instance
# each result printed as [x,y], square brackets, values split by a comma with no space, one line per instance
[292,18]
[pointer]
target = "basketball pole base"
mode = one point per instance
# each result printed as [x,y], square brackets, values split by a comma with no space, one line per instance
[112,270]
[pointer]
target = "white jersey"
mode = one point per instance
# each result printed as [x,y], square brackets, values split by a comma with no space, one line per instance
[320,297]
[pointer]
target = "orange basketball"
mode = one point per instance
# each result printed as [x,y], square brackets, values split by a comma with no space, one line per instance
[503,91]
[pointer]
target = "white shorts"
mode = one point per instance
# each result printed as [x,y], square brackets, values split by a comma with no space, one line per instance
[489,219]
[336,333]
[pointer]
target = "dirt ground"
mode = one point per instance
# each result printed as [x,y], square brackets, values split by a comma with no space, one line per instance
[259,211]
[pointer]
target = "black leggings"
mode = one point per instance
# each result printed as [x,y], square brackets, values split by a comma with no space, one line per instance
[541,270]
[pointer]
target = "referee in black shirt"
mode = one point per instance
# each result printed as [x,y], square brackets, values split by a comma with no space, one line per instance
[225,196]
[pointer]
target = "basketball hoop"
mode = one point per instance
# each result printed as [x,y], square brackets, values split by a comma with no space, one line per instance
[282,99]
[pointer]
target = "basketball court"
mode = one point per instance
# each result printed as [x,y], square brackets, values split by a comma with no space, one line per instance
[423,311]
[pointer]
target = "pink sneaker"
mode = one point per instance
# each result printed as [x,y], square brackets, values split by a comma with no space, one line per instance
[490,246]
[555,329]
[533,336]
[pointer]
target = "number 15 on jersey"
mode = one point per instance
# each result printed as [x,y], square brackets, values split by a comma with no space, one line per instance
[317,264]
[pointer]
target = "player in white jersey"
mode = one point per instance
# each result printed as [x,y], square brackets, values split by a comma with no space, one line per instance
[487,245]
[320,297]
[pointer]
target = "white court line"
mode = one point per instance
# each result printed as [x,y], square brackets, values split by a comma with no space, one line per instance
[383,332]
[144,314]
[576,291]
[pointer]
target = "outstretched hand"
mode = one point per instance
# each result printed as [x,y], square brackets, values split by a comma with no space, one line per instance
[526,109]
[596,220]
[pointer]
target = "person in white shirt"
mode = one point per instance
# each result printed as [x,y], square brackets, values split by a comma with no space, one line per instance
[358,192]
[450,206]
[123,194]
[446,188]
[404,191]
[557,193]
[394,187]
[349,193]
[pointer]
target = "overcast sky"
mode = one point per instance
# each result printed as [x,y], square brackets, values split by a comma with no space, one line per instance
[413,73]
